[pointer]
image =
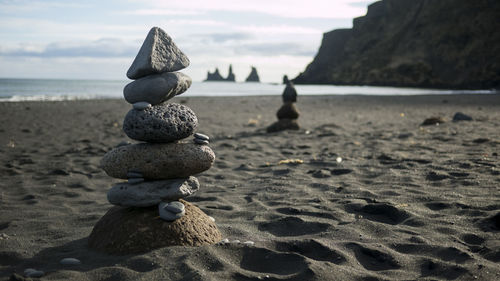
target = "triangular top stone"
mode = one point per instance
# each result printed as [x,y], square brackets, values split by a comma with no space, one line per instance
[158,54]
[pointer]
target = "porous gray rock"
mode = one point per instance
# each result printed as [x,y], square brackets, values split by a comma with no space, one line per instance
[151,193]
[158,54]
[288,111]
[158,161]
[156,88]
[161,123]
[129,230]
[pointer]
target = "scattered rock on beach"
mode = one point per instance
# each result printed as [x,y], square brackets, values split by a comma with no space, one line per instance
[459,116]
[157,88]
[158,54]
[160,123]
[128,230]
[436,120]
[151,193]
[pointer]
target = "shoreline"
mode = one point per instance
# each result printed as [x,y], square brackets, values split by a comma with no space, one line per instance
[406,202]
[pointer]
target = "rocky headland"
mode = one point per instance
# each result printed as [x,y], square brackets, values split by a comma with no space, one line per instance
[413,43]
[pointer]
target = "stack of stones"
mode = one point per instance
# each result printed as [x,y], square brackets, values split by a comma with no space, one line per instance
[288,113]
[150,212]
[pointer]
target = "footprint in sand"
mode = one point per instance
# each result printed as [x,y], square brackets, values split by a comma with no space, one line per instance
[268,261]
[380,212]
[292,226]
[439,269]
[372,259]
[313,250]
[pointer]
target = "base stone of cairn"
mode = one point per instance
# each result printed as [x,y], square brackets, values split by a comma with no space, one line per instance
[150,211]
[288,113]
[131,230]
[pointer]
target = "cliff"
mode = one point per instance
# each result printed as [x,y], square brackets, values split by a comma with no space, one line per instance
[414,43]
[253,76]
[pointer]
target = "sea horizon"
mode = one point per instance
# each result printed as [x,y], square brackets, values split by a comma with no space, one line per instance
[53,89]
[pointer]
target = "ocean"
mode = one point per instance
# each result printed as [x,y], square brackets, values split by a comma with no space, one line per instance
[52,89]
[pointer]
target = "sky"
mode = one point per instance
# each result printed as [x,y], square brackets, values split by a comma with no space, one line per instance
[99,39]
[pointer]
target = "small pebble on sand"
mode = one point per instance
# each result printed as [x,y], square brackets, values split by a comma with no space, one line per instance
[201,136]
[31,272]
[70,261]
[141,105]
[200,141]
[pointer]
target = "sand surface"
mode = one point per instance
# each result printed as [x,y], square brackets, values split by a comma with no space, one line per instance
[406,202]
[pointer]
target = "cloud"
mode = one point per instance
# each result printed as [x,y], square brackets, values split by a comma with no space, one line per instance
[278,29]
[225,37]
[280,8]
[272,49]
[162,12]
[102,48]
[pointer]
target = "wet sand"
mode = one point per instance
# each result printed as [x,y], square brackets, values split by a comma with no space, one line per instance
[407,202]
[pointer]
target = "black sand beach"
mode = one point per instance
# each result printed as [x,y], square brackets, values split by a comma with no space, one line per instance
[406,202]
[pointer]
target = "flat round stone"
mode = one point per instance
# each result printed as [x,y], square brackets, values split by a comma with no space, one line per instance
[151,193]
[157,88]
[158,161]
[175,207]
[200,141]
[167,215]
[141,105]
[201,136]
[161,123]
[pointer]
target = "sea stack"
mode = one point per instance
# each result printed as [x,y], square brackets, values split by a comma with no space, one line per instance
[253,76]
[288,113]
[149,208]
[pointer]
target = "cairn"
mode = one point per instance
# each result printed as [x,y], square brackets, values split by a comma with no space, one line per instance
[150,211]
[288,113]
